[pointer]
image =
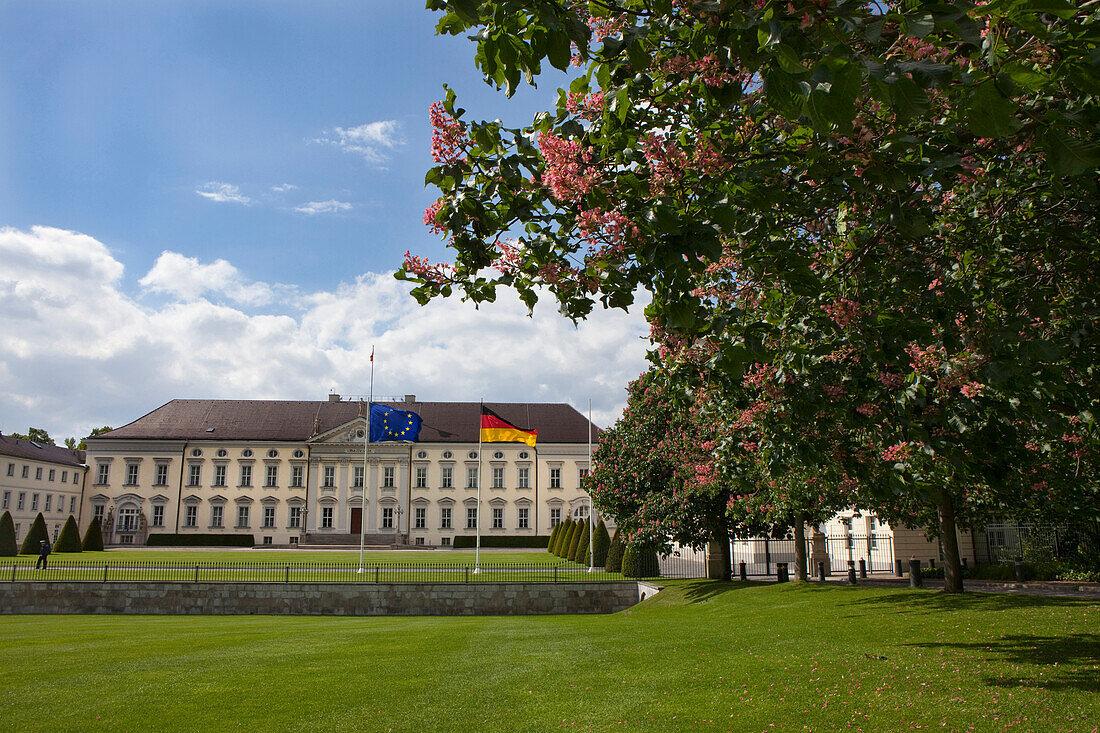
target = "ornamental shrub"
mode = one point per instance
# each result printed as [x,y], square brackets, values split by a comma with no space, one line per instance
[93,537]
[8,545]
[574,541]
[640,562]
[36,534]
[553,537]
[563,527]
[582,546]
[614,562]
[567,540]
[601,542]
[69,539]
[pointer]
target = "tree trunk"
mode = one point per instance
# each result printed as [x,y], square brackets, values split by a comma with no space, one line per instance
[719,562]
[952,566]
[800,548]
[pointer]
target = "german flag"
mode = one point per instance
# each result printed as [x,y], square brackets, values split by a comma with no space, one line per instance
[495,429]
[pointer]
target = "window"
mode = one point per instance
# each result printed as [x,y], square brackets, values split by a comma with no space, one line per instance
[498,477]
[357,477]
[22,499]
[296,477]
[268,541]
[445,518]
[295,517]
[72,504]
[103,473]
[64,477]
[447,479]
[271,480]
[330,477]
[420,517]
[298,453]
[471,477]
[555,478]
[445,541]
[60,503]
[49,502]
[217,513]
[387,517]
[7,500]
[222,453]
[524,514]
[53,472]
[76,478]
[273,453]
[387,477]
[97,512]
[190,517]
[471,517]
[269,517]
[195,475]
[246,475]
[582,475]
[242,515]
[131,474]
[56,529]
[498,518]
[421,478]
[26,472]
[555,517]
[38,474]
[419,540]
[161,476]
[524,478]
[219,475]
[326,517]
[158,515]
[11,469]
[34,502]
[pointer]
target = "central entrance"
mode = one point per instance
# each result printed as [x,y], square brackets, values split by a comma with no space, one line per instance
[356,520]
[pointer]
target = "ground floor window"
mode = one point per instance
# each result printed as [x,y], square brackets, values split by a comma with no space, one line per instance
[326,517]
[446,541]
[269,517]
[158,515]
[190,517]
[295,517]
[471,518]
[267,540]
[555,517]
[523,518]
[498,518]
[217,514]
[420,517]
[293,540]
[387,517]
[445,518]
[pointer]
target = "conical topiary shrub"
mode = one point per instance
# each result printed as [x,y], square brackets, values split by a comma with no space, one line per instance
[553,537]
[69,539]
[37,534]
[8,545]
[566,539]
[574,541]
[640,562]
[582,546]
[93,537]
[614,562]
[601,542]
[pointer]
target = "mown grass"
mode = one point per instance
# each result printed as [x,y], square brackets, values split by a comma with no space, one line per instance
[701,655]
[324,557]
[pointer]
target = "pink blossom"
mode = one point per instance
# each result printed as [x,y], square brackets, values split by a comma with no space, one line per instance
[449,139]
[567,176]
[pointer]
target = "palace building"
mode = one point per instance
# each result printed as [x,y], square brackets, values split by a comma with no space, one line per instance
[36,478]
[294,472]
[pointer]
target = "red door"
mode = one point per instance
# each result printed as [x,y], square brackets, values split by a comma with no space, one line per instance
[356,521]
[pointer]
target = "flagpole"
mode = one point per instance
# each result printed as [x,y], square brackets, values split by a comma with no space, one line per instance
[366,468]
[591,508]
[477,528]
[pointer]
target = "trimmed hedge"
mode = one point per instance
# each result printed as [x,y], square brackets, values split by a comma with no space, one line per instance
[614,563]
[69,538]
[8,546]
[553,537]
[640,562]
[564,539]
[466,542]
[200,540]
[601,543]
[582,548]
[93,537]
[574,541]
[36,534]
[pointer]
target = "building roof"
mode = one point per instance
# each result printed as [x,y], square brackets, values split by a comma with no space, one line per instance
[20,448]
[278,420]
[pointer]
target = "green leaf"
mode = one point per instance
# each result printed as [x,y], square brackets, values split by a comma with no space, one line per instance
[466,10]
[621,104]
[989,113]
[558,51]
[639,59]
[1069,156]
[918,24]
[907,99]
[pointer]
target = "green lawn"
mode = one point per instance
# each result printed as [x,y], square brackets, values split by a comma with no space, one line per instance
[326,557]
[701,655]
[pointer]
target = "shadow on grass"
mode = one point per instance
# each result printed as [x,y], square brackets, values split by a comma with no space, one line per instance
[701,591]
[938,601]
[1065,662]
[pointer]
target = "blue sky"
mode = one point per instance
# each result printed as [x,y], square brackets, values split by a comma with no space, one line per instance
[221,176]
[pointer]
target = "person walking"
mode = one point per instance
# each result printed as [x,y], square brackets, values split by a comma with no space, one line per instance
[43,553]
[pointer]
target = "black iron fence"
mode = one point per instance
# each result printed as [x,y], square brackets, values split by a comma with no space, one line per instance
[761,555]
[235,572]
[1037,542]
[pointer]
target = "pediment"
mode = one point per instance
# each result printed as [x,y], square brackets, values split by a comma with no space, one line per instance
[349,433]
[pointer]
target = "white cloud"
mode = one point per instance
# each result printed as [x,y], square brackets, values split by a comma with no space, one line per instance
[77,352]
[284,187]
[371,140]
[187,279]
[323,207]
[222,193]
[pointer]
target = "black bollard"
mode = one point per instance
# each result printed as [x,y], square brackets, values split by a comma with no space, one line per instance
[821,571]
[781,573]
[744,571]
[862,568]
[915,579]
[901,568]
[1019,570]
[932,563]
[851,572]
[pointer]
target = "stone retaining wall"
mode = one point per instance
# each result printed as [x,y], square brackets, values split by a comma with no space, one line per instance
[336,599]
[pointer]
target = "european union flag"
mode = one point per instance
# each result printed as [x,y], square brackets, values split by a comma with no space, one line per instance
[386,423]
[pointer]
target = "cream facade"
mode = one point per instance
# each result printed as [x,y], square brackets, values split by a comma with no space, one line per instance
[40,479]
